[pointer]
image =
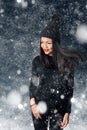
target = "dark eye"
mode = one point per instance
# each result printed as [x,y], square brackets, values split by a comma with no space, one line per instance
[49,43]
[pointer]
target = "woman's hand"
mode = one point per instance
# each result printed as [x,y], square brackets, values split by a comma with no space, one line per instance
[65,121]
[34,108]
[35,111]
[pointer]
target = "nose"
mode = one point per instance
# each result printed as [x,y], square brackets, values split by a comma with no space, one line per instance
[45,46]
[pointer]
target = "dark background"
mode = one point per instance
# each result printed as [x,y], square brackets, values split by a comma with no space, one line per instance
[20,26]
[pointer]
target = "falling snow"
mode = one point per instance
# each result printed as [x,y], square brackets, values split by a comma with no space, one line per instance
[24,89]
[62,96]
[18,72]
[20,106]
[19,1]
[42,107]
[14,98]
[33,1]
[81,33]
[21,22]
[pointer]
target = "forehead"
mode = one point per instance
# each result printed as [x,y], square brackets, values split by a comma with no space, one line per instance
[45,39]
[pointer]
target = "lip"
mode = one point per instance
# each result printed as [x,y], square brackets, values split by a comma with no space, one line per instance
[46,50]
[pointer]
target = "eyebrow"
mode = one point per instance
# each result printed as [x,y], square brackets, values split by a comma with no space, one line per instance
[45,41]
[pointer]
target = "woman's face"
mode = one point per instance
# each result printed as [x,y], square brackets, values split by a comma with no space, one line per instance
[46,45]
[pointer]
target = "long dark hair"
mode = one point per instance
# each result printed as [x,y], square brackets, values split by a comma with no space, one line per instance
[62,57]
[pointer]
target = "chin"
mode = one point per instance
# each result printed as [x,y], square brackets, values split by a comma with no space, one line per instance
[47,53]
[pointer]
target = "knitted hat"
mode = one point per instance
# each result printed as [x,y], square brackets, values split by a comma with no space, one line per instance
[52,30]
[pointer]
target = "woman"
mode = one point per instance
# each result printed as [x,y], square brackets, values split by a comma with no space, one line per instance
[52,80]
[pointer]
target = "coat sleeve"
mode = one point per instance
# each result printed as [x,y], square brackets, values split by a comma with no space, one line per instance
[33,81]
[70,85]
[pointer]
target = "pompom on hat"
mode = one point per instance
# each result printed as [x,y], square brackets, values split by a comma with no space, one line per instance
[52,29]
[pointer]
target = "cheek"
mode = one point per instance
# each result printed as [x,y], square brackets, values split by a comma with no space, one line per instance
[51,47]
[41,46]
